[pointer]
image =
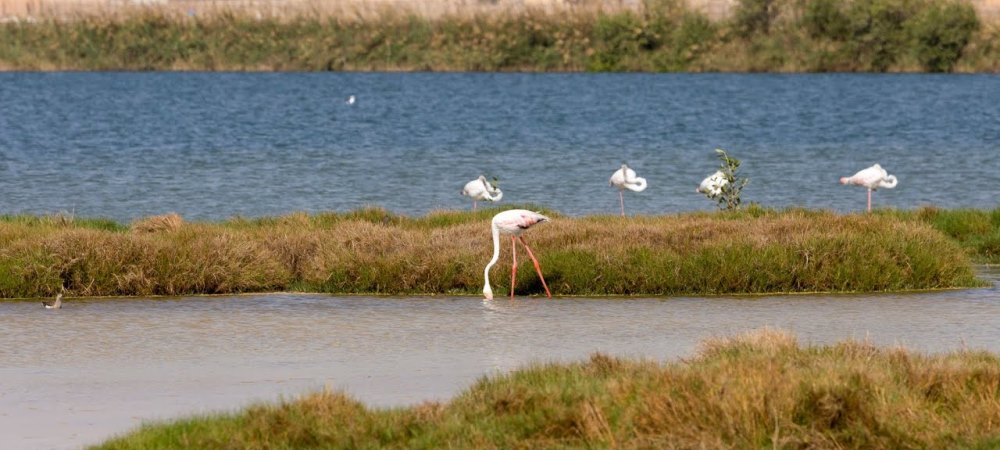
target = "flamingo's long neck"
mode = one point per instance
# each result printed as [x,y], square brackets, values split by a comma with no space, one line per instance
[487,290]
[636,184]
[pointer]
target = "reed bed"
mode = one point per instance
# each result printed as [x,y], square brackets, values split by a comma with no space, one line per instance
[758,390]
[372,251]
[658,36]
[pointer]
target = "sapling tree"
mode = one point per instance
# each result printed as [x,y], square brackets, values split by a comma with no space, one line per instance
[728,193]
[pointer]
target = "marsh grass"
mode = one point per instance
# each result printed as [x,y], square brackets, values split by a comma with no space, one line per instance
[373,251]
[659,36]
[758,390]
[976,230]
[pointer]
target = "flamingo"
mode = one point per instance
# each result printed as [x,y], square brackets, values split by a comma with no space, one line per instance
[55,304]
[480,189]
[513,222]
[713,184]
[872,178]
[625,178]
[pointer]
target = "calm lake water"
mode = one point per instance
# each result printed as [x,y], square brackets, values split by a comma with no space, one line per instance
[95,368]
[214,145]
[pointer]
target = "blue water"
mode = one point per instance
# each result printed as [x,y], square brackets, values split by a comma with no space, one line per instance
[215,145]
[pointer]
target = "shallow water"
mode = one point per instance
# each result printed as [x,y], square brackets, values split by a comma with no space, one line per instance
[96,368]
[214,145]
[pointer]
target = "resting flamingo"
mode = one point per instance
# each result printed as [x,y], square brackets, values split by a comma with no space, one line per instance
[513,222]
[625,178]
[872,178]
[480,189]
[713,184]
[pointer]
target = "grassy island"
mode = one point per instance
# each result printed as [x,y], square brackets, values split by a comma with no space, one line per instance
[372,251]
[657,36]
[761,390]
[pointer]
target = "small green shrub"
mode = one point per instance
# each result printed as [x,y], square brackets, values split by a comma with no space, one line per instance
[732,191]
[619,36]
[940,33]
[826,19]
[753,17]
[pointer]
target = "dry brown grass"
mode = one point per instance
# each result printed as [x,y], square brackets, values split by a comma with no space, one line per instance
[157,224]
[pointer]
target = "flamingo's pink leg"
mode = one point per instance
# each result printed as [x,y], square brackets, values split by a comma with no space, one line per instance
[869,200]
[513,268]
[473,205]
[621,200]
[537,267]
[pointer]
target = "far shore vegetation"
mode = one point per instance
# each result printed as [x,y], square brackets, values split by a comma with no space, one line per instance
[658,36]
[754,391]
[372,251]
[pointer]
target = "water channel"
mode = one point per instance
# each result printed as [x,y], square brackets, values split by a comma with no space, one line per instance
[99,367]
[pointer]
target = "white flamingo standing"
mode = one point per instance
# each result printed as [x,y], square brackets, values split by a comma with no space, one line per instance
[625,178]
[480,189]
[713,184]
[872,178]
[513,222]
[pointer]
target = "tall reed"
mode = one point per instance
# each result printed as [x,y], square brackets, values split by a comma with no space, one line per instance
[759,390]
[374,251]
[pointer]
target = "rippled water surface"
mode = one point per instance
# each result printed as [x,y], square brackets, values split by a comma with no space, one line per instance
[95,368]
[214,145]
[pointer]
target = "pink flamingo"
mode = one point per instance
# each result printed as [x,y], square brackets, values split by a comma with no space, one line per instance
[513,222]
[872,178]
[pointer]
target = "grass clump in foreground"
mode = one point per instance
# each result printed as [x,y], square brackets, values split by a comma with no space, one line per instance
[759,390]
[374,251]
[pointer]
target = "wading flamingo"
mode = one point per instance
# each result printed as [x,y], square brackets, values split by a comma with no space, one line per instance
[513,222]
[713,184]
[480,189]
[625,178]
[872,178]
[55,304]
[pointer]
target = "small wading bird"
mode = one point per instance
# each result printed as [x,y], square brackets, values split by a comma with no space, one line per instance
[713,184]
[480,189]
[872,178]
[54,304]
[625,178]
[513,222]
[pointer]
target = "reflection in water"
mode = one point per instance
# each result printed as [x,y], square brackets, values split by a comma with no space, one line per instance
[97,367]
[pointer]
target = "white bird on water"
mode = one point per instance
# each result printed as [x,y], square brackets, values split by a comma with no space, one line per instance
[350,100]
[55,304]
[713,184]
[513,222]
[872,178]
[480,189]
[625,178]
